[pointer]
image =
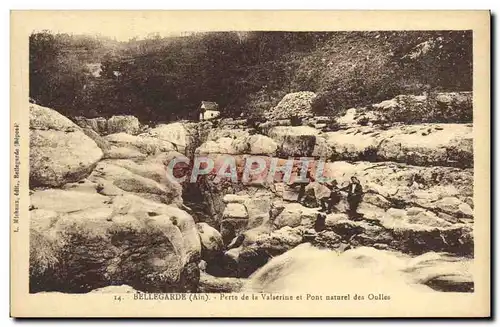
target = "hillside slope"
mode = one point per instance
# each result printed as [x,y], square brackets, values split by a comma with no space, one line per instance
[162,79]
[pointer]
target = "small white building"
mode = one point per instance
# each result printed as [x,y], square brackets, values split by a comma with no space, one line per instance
[209,110]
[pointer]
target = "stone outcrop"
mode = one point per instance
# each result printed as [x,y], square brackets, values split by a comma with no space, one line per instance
[294,140]
[258,246]
[81,241]
[146,145]
[60,152]
[399,185]
[98,125]
[251,144]
[145,177]
[417,203]
[411,209]
[127,132]
[123,152]
[115,124]
[424,145]
[184,136]
[293,104]
[417,182]
[123,124]
[404,230]
[444,190]
[212,244]
[101,142]
[111,222]
[423,49]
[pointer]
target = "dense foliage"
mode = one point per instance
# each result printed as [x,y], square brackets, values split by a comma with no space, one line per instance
[161,79]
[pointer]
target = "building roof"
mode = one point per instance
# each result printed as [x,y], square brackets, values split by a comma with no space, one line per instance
[209,105]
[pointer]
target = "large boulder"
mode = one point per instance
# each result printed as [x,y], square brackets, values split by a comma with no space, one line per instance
[262,145]
[450,107]
[148,180]
[234,221]
[294,215]
[258,208]
[185,137]
[122,152]
[60,152]
[123,124]
[80,242]
[425,231]
[236,211]
[259,245]
[223,145]
[98,125]
[454,207]
[98,139]
[152,168]
[296,104]
[211,242]
[408,231]
[65,201]
[216,133]
[244,212]
[447,145]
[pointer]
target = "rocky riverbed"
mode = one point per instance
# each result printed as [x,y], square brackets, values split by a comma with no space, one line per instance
[105,214]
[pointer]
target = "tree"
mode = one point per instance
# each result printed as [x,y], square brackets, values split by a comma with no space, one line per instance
[57,74]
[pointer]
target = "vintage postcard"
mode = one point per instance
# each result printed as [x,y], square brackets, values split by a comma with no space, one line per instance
[250,164]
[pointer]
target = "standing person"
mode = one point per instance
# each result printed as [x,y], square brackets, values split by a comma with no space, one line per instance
[354,195]
[302,187]
[327,203]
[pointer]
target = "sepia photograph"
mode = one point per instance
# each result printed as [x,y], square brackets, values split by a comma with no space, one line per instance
[309,166]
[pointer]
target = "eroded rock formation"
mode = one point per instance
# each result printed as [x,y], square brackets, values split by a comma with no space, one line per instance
[113,208]
[60,152]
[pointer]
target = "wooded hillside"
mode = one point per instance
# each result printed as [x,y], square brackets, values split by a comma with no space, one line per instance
[162,79]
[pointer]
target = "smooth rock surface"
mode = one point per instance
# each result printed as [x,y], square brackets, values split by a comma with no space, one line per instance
[116,240]
[59,150]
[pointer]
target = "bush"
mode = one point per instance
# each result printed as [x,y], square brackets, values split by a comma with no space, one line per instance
[319,104]
[253,122]
[333,126]
[363,121]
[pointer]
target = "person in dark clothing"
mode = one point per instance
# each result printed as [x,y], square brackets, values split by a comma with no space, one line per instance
[354,195]
[319,225]
[327,203]
[302,187]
